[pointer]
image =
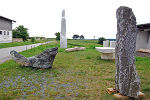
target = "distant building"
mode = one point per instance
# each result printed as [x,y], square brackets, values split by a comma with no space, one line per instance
[143,36]
[5,29]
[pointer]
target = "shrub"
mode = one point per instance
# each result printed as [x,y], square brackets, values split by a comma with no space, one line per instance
[88,57]
[32,39]
[100,40]
[75,36]
[57,35]
[92,47]
[81,37]
[21,32]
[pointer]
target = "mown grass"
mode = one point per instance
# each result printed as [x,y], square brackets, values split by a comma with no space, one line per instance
[13,44]
[81,75]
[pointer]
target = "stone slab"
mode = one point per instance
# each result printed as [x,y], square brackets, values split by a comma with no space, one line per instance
[75,49]
[107,53]
[105,49]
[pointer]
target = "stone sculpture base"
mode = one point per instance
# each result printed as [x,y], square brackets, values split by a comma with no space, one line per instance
[111,90]
[119,96]
[43,60]
[108,56]
[107,53]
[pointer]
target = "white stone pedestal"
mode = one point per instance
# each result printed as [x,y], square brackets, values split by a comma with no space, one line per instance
[106,43]
[113,44]
[107,53]
[108,56]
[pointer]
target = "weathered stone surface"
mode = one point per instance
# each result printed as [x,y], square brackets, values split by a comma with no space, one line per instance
[43,60]
[106,43]
[63,39]
[127,80]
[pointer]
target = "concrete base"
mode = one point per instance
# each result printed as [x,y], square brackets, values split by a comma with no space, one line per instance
[107,53]
[108,56]
[141,95]
[111,90]
[119,96]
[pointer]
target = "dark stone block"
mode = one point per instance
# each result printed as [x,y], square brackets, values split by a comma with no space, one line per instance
[43,60]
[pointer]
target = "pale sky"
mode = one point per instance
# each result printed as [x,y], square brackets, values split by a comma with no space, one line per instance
[83,17]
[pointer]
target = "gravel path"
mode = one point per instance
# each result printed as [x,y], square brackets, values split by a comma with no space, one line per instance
[5,52]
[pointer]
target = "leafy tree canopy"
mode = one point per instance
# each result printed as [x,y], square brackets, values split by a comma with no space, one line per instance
[57,35]
[20,32]
[81,37]
[75,36]
[100,40]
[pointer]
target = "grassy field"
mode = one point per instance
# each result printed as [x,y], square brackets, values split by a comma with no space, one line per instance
[13,44]
[81,75]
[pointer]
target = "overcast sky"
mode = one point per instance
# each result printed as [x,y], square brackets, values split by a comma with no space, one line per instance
[84,17]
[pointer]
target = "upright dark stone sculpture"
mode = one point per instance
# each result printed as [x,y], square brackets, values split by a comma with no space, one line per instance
[127,80]
[43,60]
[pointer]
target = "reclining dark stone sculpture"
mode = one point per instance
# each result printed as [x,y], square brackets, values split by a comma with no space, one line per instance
[43,60]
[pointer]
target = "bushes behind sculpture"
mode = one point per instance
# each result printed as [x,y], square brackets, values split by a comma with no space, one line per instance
[43,60]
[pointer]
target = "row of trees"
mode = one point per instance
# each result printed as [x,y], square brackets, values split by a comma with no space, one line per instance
[22,32]
[74,36]
[78,37]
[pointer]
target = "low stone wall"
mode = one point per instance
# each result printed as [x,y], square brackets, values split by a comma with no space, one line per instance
[6,41]
[17,39]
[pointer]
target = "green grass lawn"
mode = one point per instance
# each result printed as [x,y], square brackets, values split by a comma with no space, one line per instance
[13,44]
[80,75]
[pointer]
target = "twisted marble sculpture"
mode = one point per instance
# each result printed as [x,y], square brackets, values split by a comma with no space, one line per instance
[127,80]
[43,60]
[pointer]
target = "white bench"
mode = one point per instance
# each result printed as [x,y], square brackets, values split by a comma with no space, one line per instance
[106,52]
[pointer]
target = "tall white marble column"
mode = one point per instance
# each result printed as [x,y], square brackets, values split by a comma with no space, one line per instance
[63,39]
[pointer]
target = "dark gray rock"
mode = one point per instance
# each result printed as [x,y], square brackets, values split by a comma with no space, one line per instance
[43,60]
[127,80]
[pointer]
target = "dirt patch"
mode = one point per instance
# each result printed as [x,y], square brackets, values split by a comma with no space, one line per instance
[141,54]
